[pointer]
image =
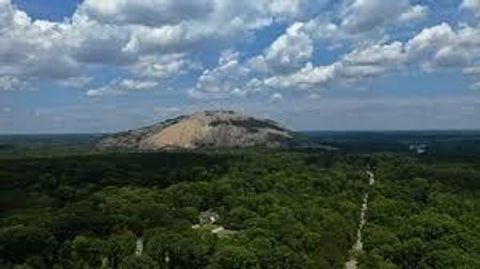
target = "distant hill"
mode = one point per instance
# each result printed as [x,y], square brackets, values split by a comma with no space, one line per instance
[209,129]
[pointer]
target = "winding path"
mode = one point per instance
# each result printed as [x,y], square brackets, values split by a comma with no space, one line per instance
[358,246]
[139,246]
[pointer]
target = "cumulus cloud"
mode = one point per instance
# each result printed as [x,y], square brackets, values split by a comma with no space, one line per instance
[441,46]
[9,83]
[377,55]
[471,70]
[296,9]
[63,51]
[437,47]
[225,80]
[414,13]
[281,66]
[235,78]
[91,42]
[313,97]
[32,48]
[154,41]
[146,12]
[472,5]
[475,86]
[367,15]
[157,13]
[359,63]
[224,22]
[307,77]
[160,66]
[288,52]
[276,98]
[168,38]
[76,82]
[119,87]
[357,22]
[138,35]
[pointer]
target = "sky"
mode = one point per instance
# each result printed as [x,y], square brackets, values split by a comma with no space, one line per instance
[70,66]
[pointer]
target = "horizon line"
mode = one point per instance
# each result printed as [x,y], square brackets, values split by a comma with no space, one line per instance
[299,131]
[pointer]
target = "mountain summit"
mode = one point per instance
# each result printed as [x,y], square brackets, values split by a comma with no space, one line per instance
[209,129]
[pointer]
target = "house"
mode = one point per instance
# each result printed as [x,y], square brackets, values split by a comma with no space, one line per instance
[208,217]
[419,149]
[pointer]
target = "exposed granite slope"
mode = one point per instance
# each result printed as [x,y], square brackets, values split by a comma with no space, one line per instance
[216,129]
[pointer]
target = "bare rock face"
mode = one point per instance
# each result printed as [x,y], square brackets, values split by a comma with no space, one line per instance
[209,129]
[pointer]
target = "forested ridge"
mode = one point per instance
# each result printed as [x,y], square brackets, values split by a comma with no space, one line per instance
[277,209]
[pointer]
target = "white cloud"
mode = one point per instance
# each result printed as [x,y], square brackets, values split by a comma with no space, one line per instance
[437,47]
[313,97]
[473,5]
[225,80]
[91,42]
[367,15]
[167,38]
[357,22]
[155,40]
[150,38]
[377,55]
[287,53]
[430,40]
[320,29]
[226,22]
[416,12]
[295,9]
[179,25]
[135,34]
[284,7]
[146,12]
[360,63]
[63,51]
[471,70]
[160,66]
[76,82]
[443,47]
[306,78]
[368,61]
[276,98]
[9,83]
[475,86]
[119,87]
[32,48]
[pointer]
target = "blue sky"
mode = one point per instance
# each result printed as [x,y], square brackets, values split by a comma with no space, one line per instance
[100,66]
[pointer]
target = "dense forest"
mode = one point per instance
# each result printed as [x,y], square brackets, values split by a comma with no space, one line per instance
[275,209]
[424,214]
